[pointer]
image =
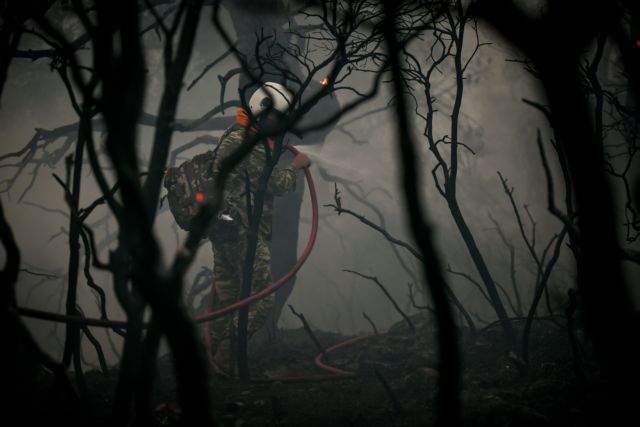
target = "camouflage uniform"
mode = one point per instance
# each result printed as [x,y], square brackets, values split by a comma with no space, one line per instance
[229,246]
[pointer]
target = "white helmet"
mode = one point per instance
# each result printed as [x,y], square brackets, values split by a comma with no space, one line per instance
[270,95]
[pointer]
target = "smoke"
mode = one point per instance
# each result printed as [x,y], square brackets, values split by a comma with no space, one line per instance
[358,155]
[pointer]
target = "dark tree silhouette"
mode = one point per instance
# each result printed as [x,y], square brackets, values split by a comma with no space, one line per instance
[609,316]
[444,48]
[449,381]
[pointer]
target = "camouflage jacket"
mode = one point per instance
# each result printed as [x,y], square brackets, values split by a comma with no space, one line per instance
[247,174]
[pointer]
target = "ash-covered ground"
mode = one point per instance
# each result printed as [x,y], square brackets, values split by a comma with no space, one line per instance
[498,388]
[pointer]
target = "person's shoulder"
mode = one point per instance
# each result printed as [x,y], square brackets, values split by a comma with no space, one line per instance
[233,135]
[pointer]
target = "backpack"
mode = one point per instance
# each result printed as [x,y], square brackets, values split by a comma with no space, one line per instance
[189,185]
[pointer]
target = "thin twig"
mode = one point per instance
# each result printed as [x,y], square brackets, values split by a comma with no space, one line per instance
[394,399]
[388,295]
[307,328]
[373,325]
[48,276]
[340,210]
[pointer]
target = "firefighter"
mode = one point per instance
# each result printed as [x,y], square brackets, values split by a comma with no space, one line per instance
[268,106]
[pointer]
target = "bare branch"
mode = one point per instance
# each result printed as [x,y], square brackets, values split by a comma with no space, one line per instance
[373,325]
[307,328]
[389,297]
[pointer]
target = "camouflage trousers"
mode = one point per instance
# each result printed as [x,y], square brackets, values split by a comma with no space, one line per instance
[229,258]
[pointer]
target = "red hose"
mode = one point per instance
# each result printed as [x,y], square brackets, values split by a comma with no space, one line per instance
[339,372]
[335,373]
